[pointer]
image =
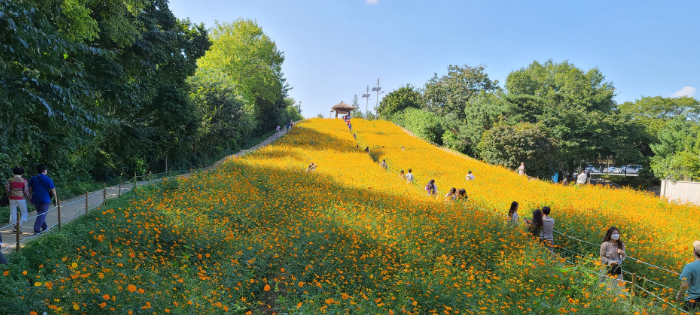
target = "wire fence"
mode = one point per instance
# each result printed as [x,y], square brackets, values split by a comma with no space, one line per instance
[121,187]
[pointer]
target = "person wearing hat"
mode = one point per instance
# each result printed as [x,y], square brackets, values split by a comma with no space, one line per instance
[691,282]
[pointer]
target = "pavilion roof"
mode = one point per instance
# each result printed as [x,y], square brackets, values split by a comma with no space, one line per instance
[342,106]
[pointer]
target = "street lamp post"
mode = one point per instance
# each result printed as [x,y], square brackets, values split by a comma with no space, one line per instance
[376,89]
[366,95]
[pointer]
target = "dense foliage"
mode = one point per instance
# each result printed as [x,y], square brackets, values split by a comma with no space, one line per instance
[140,104]
[398,100]
[509,145]
[575,107]
[423,124]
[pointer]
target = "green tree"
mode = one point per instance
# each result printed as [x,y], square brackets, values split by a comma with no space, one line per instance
[398,100]
[246,54]
[508,145]
[451,92]
[423,124]
[678,151]
[655,112]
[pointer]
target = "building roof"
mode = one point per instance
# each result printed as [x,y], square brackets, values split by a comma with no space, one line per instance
[342,106]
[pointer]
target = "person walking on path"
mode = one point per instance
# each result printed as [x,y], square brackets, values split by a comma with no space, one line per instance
[612,252]
[547,236]
[42,190]
[581,180]
[409,176]
[431,188]
[513,216]
[17,189]
[383,165]
[521,169]
[470,176]
[535,226]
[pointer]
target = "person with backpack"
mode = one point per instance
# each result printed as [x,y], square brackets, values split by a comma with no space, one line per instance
[42,190]
[431,188]
[17,189]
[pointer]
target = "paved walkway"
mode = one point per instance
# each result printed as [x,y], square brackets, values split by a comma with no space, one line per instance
[76,206]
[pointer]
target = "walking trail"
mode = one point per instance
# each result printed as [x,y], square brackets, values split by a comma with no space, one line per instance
[76,206]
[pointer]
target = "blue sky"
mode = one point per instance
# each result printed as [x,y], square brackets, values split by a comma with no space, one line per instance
[335,48]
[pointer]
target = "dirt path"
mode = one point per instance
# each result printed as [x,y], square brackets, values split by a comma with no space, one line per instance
[76,206]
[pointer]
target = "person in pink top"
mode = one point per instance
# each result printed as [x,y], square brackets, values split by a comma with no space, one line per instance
[521,169]
[18,191]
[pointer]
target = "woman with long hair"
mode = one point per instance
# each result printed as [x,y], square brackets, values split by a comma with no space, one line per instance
[431,188]
[612,252]
[452,195]
[535,225]
[513,212]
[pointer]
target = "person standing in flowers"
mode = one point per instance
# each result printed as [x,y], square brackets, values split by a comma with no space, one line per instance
[451,195]
[691,282]
[581,180]
[367,150]
[401,175]
[470,176]
[409,176]
[311,168]
[535,226]
[547,236]
[513,216]
[612,252]
[383,165]
[17,189]
[521,169]
[431,188]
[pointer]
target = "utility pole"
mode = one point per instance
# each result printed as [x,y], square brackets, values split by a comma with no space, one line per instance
[367,103]
[377,89]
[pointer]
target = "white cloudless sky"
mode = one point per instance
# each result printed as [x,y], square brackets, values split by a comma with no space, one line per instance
[335,48]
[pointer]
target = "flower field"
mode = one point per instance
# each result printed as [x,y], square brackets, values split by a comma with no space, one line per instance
[259,235]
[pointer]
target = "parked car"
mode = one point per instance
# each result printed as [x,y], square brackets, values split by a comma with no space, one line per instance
[612,169]
[592,169]
[632,169]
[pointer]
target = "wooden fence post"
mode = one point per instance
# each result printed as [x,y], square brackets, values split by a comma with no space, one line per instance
[17,230]
[58,201]
[634,283]
[136,181]
[119,193]
[104,193]
[87,197]
[150,176]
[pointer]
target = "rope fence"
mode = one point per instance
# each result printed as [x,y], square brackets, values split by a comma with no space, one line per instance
[134,181]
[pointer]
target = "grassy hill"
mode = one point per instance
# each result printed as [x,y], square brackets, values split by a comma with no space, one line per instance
[259,235]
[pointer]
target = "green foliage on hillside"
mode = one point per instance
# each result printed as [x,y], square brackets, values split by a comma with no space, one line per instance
[99,89]
[398,100]
[423,124]
[508,145]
